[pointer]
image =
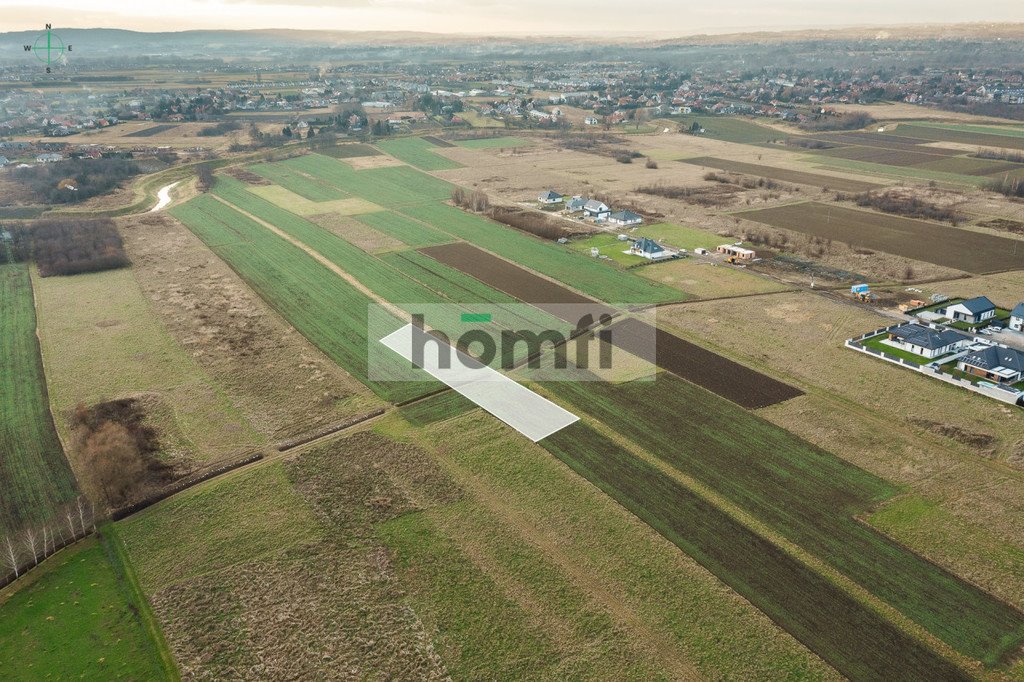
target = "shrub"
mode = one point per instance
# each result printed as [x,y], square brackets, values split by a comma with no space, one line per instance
[90,177]
[69,247]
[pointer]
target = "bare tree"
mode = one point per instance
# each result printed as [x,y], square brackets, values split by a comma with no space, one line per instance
[31,541]
[11,556]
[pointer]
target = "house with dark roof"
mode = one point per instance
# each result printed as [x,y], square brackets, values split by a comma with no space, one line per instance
[550,197]
[972,310]
[625,218]
[1017,318]
[995,363]
[925,341]
[648,248]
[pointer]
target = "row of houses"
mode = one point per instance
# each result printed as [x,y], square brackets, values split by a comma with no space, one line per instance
[992,362]
[594,209]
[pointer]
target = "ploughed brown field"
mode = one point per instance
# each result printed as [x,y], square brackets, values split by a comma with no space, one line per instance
[952,247]
[731,380]
[784,174]
[960,136]
[438,142]
[889,157]
[882,141]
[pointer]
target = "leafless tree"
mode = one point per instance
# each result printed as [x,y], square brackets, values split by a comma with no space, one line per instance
[31,540]
[11,556]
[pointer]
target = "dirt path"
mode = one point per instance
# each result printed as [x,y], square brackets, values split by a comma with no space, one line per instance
[163,197]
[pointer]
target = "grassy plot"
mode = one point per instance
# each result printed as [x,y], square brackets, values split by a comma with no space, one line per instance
[581,272]
[505,141]
[733,129]
[34,473]
[856,640]
[881,170]
[807,495]
[110,344]
[304,185]
[707,280]
[388,187]
[299,205]
[417,152]
[404,229]
[78,616]
[436,408]
[946,134]
[349,151]
[784,174]
[658,597]
[323,307]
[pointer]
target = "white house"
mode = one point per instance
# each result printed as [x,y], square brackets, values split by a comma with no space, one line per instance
[648,248]
[625,218]
[598,210]
[551,197]
[1017,318]
[49,158]
[972,311]
[591,121]
[576,204]
[925,341]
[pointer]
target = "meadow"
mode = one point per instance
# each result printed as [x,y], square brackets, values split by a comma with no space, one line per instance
[784,174]
[80,616]
[408,231]
[34,472]
[389,187]
[502,142]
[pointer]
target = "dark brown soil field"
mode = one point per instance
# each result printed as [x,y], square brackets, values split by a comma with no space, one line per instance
[731,380]
[784,174]
[965,165]
[149,132]
[961,136]
[350,150]
[711,371]
[437,141]
[972,252]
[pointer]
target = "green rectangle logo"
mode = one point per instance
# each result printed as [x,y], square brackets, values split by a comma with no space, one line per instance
[476,317]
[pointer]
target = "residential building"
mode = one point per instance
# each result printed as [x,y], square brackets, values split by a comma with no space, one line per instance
[1017,318]
[925,341]
[598,210]
[551,197]
[996,363]
[648,248]
[625,218]
[576,204]
[972,311]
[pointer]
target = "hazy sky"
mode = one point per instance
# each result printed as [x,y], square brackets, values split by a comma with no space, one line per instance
[496,17]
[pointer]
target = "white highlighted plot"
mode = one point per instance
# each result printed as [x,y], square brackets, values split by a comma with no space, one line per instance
[530,414]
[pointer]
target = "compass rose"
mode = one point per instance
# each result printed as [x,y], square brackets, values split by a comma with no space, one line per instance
[48,48]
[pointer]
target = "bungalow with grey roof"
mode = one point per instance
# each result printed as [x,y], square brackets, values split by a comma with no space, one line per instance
[972,311]
[996,363]
[550,197]
[576,204]
[625,218]
[648,248]
[925,341]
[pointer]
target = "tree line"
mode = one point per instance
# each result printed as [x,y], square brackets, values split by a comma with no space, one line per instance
[22,550]
[68,246]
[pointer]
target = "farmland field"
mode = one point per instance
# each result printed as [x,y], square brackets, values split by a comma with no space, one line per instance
[853,638]
[111,326]
[406,230]
[581,272]
[702,279]
[323,307]
[972,137]
[78,616]
[417,152]
[807,495]
[35,474]
[973,252]
[349,150]
[494,142]
[304,185]
[299,205]
[733,129]
[784,174]
[152,130]
[390,187]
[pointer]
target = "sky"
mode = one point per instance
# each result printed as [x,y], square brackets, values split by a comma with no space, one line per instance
[661,18]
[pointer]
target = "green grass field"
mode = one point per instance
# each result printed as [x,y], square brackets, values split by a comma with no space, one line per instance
[733,129]
[34,472]
[436,408]
[1007,130]
[305,186]
[505,141]
[404,229]
[79,616]
[807,495]
[417,152]
[323,307]
[390,187]
[607,245]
